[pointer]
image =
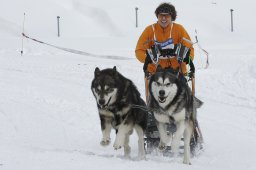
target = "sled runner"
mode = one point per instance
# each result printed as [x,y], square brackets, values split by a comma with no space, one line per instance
[152,136]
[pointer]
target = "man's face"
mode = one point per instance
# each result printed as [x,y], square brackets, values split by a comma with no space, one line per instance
[164,19]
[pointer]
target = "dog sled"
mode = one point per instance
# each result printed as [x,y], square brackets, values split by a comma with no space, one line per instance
[152,136]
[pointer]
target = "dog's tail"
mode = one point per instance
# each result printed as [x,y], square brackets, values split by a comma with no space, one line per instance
[197,103]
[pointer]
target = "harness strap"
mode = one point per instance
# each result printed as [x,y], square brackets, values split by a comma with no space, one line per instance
[142,107]
[153,28]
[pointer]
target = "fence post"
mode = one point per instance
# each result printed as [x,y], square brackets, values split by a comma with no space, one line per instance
[136,13]
[231,11]
[58,25]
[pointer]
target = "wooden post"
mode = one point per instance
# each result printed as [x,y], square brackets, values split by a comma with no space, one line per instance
[58,25]
[136,13]
[231,11]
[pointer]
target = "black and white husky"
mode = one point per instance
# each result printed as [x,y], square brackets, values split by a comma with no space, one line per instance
[115,96]
[172,102]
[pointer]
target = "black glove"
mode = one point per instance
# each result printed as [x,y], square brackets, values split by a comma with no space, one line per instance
[192,69]
[147,61]
[187,58]
[182,53]
[191,74]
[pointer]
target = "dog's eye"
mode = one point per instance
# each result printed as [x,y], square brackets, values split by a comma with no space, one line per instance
[97,90]
[168,84]
[157,83]
[108,90]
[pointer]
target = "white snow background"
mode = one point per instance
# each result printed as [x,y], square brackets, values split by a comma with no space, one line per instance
[48,115]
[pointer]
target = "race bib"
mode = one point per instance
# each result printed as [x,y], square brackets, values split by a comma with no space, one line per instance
[168,44]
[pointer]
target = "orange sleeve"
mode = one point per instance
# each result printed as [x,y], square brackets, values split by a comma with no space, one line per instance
[186,43]
[142,44]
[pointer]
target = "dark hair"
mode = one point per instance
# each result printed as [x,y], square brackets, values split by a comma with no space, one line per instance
[166,8]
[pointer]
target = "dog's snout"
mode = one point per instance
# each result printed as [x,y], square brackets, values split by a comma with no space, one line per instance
[161,93]
[102,101]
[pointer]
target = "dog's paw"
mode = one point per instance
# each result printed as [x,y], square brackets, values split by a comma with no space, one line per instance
[117,146]
[161,147]
[119,142]
[105,142]
[140,158]
[187,162]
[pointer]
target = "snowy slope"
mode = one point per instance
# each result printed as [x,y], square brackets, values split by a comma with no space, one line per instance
[48,116]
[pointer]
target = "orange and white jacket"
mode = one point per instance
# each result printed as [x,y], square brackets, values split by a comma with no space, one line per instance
[146,40]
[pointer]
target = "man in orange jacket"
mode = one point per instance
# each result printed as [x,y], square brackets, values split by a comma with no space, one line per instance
[166,34]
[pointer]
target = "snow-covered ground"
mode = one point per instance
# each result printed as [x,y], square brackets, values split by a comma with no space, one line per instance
[48,116]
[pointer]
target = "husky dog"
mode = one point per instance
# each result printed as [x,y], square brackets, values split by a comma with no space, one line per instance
[172,102]
[115,96]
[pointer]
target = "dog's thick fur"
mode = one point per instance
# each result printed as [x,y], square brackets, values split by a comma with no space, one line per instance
[172,102]
[115,96]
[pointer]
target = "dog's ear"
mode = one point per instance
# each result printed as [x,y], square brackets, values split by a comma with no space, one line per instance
[176,71]
[114,68]
[159,68]
[115,73]
[173,71]
[197,103]
[96,72]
